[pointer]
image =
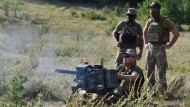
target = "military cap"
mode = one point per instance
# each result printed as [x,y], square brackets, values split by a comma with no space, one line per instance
[129,53]
[155,5]
[132,11]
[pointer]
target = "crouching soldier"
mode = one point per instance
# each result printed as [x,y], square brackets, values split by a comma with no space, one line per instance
[131,78]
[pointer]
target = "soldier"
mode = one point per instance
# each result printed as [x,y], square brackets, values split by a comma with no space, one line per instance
[131,77]
[128,34]
[156,36]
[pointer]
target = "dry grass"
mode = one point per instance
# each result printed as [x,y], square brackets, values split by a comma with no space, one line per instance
[52,38]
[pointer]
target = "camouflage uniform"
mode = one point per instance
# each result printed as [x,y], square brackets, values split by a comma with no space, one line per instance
[128,35]
[155,55]
[124,28]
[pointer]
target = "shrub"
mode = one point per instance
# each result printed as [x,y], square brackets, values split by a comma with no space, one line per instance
[17,4]
[118,11]
[92,15]
[15,92]
[74,14]
[6,5]
[106,10]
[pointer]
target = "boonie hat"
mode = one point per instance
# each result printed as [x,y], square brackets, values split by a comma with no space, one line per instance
[132,11]
[129,53]
[155,5]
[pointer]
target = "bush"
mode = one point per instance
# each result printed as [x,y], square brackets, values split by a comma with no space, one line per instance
[106,10]
[74,14]
[15,92]
[92,15]
[118,11]
[8,5]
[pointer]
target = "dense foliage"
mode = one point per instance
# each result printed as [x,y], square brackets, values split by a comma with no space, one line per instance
[132,3]
[176,10]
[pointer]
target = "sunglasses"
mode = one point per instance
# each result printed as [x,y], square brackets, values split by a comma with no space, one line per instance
[128,56]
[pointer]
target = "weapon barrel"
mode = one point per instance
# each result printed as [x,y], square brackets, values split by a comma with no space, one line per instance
[65,71]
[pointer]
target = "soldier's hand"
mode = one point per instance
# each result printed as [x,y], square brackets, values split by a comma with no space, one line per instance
[168,46]
[164,46]
[119,44]
[139,55]
[119,76]
[147,46]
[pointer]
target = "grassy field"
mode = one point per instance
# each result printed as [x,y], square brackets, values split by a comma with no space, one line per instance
[47,36]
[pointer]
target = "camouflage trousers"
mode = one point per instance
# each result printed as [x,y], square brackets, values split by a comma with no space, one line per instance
[156,56]
[119,56]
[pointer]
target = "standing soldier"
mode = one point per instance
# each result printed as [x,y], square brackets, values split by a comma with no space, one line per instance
[128,34]
[156,36]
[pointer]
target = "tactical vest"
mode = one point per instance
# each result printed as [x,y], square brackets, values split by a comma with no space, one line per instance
[129,36]
[156,32]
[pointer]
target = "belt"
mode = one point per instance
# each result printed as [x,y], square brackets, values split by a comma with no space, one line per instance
[157,43]
[155,46]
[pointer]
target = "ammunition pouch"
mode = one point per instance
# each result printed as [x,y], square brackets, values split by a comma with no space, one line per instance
[129,40]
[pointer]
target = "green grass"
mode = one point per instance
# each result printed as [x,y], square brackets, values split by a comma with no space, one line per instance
[44,37]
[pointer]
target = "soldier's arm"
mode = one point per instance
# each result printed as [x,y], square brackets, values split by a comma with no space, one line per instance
[174,31]
[170,25]
[145,36]
[145,31]
[116,35]
[175,37]
[116,31]
[141,42]
[128,78]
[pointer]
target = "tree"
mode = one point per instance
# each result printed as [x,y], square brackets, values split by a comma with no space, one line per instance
[186,8]
[176,10]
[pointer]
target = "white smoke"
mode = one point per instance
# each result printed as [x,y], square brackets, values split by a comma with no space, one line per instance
[19,40]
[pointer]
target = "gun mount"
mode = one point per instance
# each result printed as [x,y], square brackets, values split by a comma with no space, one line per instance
[92,79]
